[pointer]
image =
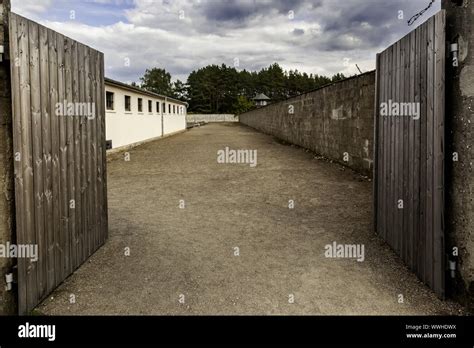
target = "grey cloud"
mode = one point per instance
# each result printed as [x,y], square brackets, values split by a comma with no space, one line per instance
[240,10]
[298,32]
[370,23]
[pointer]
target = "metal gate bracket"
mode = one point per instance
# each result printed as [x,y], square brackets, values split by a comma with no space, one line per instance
[9,281]
[454,49]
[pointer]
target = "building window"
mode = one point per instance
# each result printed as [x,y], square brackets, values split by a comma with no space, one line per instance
[157,107]
[109,97]
[128,103]
[150,106]
[174,109]
[169,108]
[140,105]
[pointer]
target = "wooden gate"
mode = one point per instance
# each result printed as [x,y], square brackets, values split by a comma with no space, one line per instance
[59,147]
[409,166]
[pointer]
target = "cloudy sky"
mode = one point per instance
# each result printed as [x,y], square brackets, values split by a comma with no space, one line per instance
[315,36]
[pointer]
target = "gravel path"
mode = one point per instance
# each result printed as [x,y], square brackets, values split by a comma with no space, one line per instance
[192,251]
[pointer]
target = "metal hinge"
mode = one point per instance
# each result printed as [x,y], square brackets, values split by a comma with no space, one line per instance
[11,278]
[9,281]
[454,50]
[452,268]
[451,265]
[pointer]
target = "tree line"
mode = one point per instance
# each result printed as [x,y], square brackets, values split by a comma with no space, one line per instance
[224,89]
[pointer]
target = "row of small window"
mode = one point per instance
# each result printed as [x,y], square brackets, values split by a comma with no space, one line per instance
[172,109]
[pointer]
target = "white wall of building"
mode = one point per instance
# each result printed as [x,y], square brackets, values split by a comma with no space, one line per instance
[174,123]
[129,127]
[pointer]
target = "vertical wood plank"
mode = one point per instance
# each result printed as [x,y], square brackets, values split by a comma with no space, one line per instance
[93,153]
[396,120]
[376,151]
[393,153]
[416,152]
[399,149]
[70,192]
[53,100]
[18,162]
[388,189]
[27,158]
[390,203]
[77,157]
[83,131]
[411,154]
[439,153]
[99,163]
[423,106]
[63,200]
[37,151]
[379,153]
[406,145]
[385,139]
[87,155]
[48,248]
[98,144]
[429,155]
[105,227]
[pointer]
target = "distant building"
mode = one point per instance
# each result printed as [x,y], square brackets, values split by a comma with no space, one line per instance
[261,100]
[134,114]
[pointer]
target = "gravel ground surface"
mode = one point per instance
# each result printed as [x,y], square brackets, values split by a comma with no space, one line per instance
[183,261]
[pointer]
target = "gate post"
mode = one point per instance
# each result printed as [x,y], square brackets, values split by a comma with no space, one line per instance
[8,298]
[460,148]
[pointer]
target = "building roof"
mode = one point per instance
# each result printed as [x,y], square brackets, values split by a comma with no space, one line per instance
[261,96]
[119,84]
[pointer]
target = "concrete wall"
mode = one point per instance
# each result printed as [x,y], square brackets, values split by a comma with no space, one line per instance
[330,121]
[460,174]
[7,220]
[191,118]
[129,127]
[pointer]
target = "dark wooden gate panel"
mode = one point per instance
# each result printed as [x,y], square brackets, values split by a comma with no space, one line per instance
[60,158]
[409,177]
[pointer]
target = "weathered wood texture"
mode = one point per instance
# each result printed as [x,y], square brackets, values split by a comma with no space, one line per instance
[60,176]
[7,201]
[409,178]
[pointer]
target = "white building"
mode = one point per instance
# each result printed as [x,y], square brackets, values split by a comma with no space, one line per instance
[134,115]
